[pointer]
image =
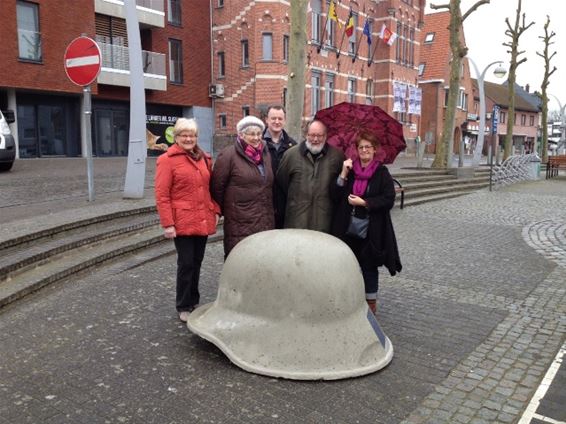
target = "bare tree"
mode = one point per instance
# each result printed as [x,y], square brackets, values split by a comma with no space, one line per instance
[547,57]
[513,32]
[443,156]
[296,82]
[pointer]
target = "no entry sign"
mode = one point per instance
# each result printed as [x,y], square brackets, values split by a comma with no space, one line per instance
[82,61]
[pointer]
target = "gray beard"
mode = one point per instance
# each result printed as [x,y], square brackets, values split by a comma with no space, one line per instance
[314,150]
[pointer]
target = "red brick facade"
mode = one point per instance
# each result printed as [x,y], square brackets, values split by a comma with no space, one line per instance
[263,81]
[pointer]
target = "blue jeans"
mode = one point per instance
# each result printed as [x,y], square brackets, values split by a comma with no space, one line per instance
[371,282]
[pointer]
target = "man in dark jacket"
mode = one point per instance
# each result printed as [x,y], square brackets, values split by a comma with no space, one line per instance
[305,175]
[278,141]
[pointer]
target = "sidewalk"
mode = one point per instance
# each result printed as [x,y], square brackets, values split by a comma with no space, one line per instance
[476,319]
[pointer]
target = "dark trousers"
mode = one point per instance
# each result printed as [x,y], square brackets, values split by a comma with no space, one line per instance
[371,281]
[190,253]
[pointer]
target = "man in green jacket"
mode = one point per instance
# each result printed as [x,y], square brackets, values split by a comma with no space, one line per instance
[305,175]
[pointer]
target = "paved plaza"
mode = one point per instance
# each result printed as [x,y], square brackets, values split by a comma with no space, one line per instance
[476,319]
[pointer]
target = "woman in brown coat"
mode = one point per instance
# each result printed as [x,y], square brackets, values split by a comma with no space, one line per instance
[242,182]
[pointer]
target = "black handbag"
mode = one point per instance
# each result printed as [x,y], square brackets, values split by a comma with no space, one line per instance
[358,227]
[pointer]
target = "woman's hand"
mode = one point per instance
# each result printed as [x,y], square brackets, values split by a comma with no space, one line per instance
[356,201]
[217,219]
[346,166]
[169,232]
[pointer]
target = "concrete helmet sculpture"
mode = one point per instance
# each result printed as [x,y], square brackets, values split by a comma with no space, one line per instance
[297,311]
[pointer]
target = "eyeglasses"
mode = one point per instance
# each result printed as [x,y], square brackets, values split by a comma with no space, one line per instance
[370,147]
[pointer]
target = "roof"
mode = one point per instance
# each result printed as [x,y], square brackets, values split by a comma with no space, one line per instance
[435,53]
[499,94]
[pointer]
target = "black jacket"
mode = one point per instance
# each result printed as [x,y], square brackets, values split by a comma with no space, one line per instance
[279,198]
[380,246]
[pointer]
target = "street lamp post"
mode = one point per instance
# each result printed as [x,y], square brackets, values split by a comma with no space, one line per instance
[499,72]
[561,109]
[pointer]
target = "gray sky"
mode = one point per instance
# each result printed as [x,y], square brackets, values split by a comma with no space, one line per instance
[485,32]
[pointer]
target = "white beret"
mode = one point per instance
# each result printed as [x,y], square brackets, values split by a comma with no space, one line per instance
[249,121]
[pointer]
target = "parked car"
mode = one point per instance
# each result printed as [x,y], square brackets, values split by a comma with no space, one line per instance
[7,144]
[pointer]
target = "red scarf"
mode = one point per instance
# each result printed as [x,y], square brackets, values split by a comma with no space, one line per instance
[250,151]
[362,175]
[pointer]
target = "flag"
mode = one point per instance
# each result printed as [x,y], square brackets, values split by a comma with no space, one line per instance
[350,24]
[332,13]
[367,31]
[387,35]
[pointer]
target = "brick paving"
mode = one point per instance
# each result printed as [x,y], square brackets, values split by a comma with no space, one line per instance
[475,318]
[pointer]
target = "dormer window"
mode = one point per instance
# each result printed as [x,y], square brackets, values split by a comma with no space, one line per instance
[429,37]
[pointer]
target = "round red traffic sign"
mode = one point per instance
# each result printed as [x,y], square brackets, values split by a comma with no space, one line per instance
[82,60]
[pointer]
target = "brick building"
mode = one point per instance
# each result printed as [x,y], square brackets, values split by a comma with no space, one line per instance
[250,48]
[434,80]
[175,38]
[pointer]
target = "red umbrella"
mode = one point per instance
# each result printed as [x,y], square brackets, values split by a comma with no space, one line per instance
[346,120]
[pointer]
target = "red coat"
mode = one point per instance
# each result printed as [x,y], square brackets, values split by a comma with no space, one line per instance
[182,193]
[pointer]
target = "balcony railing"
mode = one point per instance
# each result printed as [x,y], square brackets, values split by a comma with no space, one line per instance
[118,57]
[152,4]
[29,45]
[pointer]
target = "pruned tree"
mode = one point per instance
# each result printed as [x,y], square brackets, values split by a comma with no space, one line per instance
[443,156]
[514,33]
[546,57]
[297,65]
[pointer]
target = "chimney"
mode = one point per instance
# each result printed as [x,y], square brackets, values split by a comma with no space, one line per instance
[527,88]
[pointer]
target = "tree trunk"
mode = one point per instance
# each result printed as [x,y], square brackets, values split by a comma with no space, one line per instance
[296,81]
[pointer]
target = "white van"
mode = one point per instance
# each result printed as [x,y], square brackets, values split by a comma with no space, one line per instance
[7,145]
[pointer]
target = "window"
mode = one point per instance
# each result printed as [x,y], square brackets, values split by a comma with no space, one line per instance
[175,61]
[245,111]
[267,46]
[329,40]
[316,20]
[284,100]
[411,47]
[462,100]
[421,69]
[174,12]
[352,90]
[532,121]
[220,3]
[429,37]
[29,37]
[222,120]
[398,43]
[523,119]
[315,92]
[245,54]
[285,48]
[369,92]
[329,90]
[221,65]
[352,40]
[445,97]
[502,117]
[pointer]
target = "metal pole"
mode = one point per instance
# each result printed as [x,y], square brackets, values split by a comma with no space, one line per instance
[491,164]
[481,131]
[88,141]
[137,147]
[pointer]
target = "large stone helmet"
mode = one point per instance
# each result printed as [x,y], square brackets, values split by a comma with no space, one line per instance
[291,304]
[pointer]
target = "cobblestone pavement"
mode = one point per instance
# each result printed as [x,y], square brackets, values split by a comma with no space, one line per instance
[476,318]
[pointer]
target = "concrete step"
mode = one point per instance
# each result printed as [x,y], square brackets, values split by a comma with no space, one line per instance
[70,262]
[415,186]
[34,252]
[435,197]
[468,186]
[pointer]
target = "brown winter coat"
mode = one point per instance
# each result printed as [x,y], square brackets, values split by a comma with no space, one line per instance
[244,195]
[182,193]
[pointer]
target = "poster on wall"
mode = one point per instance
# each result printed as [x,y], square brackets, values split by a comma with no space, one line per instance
[412,98]
[397,97]
[418,100]
[159,133]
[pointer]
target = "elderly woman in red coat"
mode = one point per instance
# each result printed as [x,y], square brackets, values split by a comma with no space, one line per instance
[242,184]
[186,209]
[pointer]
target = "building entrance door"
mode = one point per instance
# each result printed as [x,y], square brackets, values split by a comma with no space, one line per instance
[111,132]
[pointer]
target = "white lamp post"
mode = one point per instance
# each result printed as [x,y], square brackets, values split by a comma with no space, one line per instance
[499,72]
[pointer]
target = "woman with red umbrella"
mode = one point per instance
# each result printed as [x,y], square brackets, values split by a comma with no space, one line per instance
[364,192]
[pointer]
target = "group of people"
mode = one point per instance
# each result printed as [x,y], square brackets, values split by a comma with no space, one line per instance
[265,181]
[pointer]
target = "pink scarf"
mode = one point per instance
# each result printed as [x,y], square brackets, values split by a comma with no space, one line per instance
[250,151]
[362,175]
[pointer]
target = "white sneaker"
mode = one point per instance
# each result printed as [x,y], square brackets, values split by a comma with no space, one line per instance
[184,316]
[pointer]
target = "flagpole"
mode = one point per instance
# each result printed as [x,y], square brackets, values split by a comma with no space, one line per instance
[344,34]
[370,60]
[325,25]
